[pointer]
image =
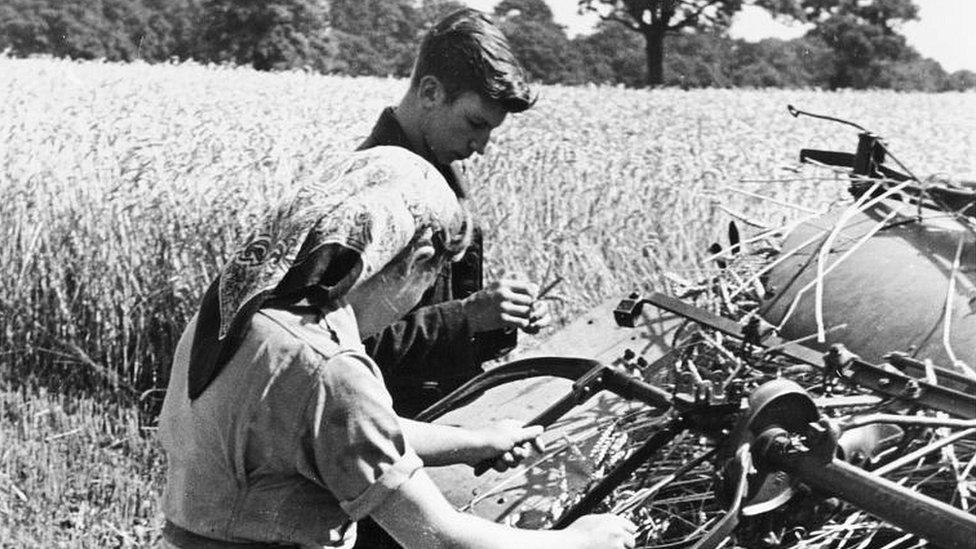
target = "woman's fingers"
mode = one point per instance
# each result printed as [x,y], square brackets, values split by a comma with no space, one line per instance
[530,433]
[514,443]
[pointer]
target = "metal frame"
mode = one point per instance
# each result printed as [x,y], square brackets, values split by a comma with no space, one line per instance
[813,464]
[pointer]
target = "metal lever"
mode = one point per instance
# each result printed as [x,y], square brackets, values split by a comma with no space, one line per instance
[600,378]
[846,365]
[938,522]
[724,527]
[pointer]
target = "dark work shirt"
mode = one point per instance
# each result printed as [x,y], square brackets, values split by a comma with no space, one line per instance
[432,350]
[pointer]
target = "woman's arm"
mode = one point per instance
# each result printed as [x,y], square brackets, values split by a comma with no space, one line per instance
[418,516]
[447,445]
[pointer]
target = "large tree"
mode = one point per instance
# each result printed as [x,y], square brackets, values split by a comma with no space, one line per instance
[862,33]
[960,81]
[376,36]
[607,56]
[798,63]
[655,19]
[867,48]
[539,43]
[116,30]
[171,30]
[266,34]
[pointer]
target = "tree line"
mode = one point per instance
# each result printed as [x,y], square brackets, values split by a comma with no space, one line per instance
[852,44]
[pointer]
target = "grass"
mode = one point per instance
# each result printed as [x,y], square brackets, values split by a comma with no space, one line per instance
[123,188]
[75,472]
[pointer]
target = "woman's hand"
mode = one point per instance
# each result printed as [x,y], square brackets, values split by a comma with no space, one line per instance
[604,531]
[507,443]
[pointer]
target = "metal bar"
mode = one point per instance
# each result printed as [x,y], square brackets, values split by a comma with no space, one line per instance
[921,452]
[621,472]
[946,378]
[732,328]
[876,378]
[582,390]
[847,401]
[938,522]
[632,388]
[600,378]
[718,534]
[900,386]
[564,367]
[867,156]
[831,158]
[898,419]
[795,112]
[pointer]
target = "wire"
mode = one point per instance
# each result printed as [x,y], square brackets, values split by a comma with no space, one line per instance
[797,112]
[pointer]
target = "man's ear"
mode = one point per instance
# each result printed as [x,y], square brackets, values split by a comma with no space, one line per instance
[430,91]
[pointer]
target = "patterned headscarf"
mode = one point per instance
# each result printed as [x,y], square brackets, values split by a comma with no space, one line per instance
[331,234]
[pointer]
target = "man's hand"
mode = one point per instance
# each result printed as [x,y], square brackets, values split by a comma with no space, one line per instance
[508,303]
[507,443]
[538,317]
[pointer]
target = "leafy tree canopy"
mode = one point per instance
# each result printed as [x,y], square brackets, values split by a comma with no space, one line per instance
[854,43]
[863,38]
[537,40]
[654,19]
[266,34]
[115,30]
[386,34]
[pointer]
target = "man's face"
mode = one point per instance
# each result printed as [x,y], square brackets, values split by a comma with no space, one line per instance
[454,130]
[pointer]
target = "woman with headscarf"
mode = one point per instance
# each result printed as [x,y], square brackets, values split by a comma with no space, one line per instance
[277,427]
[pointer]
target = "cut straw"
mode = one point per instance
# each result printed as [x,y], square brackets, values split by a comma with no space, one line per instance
[947,319]
[921,452]
[821,274]
[775,200]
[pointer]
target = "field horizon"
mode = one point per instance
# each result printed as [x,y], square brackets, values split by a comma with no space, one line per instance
[124,187]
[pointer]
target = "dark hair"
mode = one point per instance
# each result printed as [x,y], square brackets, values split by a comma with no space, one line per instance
[467,52]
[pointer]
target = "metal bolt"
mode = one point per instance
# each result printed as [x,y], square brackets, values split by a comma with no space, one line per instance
[913,389]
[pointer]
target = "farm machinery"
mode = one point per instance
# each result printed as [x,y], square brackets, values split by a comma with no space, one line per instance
[821,398]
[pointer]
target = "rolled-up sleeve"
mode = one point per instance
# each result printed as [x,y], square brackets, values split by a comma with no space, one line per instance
[354,446]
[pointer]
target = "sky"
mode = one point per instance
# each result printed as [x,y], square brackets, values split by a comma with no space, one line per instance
[943,32]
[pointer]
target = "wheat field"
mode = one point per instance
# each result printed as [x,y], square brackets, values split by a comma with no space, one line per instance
[124,187]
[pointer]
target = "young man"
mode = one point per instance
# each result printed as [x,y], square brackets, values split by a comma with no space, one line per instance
[465,82]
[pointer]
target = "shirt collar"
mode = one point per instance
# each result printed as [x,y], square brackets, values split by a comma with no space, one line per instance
[388,132]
